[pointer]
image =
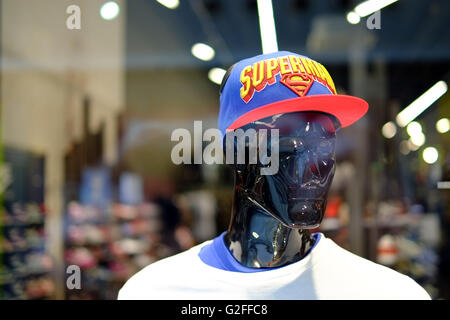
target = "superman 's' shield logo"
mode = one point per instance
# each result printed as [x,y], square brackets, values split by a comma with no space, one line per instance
[298,82]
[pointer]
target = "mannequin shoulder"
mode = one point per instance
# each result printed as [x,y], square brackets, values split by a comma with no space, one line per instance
[374,281]
[152,281]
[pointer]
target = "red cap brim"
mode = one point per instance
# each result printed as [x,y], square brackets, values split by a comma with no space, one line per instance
[347,109]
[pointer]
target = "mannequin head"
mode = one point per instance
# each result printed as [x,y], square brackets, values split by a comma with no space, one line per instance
[272,213]
[296,194]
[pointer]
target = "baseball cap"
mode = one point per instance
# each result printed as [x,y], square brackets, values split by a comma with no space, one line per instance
[282,82]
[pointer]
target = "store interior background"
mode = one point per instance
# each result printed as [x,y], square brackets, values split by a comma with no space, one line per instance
[87,116]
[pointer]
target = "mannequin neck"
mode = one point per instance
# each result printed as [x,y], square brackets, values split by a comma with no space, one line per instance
[257,240]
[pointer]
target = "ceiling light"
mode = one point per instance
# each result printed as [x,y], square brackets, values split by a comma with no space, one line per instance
[404,147]
[203,51]
[412,146]
[443,125]
[353,17]
[414,128]
[389,130]
[418,139]
[216,75]
[430,155]
[171,4]
[109,10]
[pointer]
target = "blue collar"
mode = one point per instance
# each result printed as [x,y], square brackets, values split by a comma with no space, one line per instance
[217,255]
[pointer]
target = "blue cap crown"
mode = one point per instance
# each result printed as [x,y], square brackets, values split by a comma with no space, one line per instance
[267,79]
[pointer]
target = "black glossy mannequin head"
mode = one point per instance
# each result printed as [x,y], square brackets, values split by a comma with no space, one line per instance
[274,212]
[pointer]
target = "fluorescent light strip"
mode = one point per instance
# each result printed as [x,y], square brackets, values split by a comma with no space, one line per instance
[368,7]
[421,104]
[267,26]
[443,185]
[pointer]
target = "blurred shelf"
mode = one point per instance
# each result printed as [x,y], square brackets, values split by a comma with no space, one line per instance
[23,225]
[12,278]
[404,220]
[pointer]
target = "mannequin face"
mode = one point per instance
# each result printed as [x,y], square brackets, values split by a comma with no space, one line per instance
[296,194]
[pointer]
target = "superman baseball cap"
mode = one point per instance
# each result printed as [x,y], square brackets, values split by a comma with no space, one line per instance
[281,82]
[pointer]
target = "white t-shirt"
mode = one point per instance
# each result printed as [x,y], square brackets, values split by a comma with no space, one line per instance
[327,272]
